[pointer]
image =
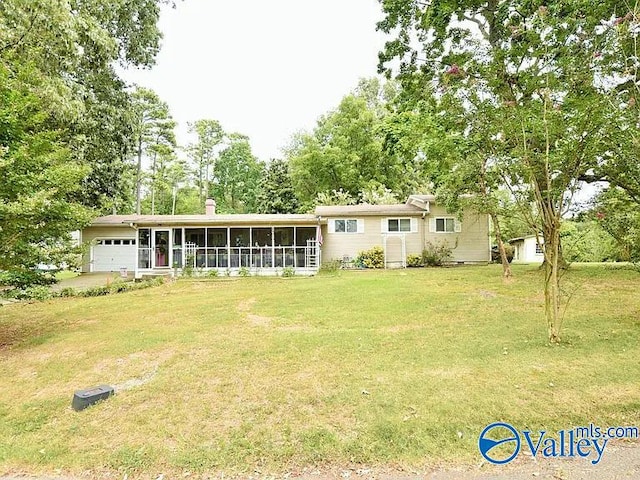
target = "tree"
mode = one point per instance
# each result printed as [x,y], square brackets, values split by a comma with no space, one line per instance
[276,193]
[154,133]
[64,126]
[617,213]
[204,152]
[38,183]
[523,70]
[345,149]
[236,174]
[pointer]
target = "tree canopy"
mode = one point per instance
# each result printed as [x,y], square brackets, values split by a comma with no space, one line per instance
[65,131]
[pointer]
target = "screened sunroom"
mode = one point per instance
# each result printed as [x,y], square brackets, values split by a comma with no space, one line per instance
[262,249]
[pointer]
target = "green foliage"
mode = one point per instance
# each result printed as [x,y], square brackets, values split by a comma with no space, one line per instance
[335,197]
[244,272]
[276,192]
[154,138]
[212,273]
[587,241]
[36,293]
[188,269]
[330,266]
[522,98]
[345,149]
[68,292]
[288,272]
[616,211]
[203,152]
[414,261]
[237,173]
[22,279]
[436,254]
[372,258]
[65,129]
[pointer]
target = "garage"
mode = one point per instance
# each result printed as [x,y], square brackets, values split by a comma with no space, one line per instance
[112,254]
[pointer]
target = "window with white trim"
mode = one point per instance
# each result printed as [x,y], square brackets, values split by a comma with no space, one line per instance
[345,225]
[445,225]
[539,250]
[398,224]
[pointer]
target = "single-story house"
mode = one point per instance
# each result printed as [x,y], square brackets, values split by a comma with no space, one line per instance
[527,249]
[268,243]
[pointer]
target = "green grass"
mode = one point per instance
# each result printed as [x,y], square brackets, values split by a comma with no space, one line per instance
[66,274]
[376,367]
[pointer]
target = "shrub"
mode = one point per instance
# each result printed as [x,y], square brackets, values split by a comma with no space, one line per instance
[288,272]
[68,292]
[331,266]
[188,269]
[37,292]
[212,273]
[96,291]
[24,279]
[373,258]
[414,261]
[244,272]
[436,254]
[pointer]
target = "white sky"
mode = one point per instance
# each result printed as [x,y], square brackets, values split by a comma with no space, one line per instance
[262,68]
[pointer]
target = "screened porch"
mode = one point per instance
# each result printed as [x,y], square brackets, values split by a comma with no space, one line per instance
[228,248]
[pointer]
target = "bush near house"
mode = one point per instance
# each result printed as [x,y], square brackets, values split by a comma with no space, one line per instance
[436,254]
[373,258]
[414,261]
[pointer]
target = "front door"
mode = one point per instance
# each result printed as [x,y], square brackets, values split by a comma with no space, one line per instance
[161,248]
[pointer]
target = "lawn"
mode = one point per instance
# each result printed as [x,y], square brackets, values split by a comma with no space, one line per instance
[376,367]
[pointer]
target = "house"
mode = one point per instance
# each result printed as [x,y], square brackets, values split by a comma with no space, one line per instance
[527,249]
[266,244]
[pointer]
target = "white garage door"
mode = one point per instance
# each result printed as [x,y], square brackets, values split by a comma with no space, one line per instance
[110,255]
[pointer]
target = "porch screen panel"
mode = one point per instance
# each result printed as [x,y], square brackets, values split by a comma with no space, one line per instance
[177,248]
[197,236]
[217,255]
[302,235]
[144,248]
[261,249]
[240,239]
[284,246]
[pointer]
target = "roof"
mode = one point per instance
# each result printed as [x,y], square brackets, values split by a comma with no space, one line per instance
[415,205]
[233,219]
[518,239]
[368,210]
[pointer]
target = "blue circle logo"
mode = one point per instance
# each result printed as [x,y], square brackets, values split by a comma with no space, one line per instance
[499,434]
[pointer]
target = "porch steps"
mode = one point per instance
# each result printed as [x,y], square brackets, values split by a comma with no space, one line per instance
[153,275]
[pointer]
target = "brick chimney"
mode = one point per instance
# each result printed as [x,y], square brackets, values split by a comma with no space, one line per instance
[210,207]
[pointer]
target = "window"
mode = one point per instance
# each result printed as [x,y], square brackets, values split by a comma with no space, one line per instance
[398,225]
[346,226]
[444,225]
[116,241]
[539,250]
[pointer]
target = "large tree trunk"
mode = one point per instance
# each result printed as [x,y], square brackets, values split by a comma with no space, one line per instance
[153,184]
[139,175]
[552,280]
[506,266]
